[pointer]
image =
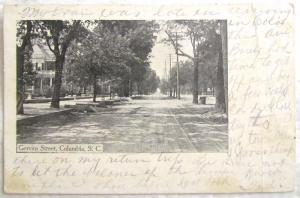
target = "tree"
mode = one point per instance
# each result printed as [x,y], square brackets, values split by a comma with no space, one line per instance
[186,77]
[164,86]
[101,56]
[208,40]
[221,82]
[150,83]
[197,33]
[24,66]
[141,37]
[207,74]
[223,32]
[208,68]
[58,35]
[76,71]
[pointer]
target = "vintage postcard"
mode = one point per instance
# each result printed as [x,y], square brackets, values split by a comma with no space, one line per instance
[118,99]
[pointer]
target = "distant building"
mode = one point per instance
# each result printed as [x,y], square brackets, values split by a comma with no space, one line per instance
[43,61]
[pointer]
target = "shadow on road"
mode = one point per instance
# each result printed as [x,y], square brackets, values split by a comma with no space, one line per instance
[142,125]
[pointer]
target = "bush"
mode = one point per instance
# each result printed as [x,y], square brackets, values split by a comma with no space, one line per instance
[48,92]
[63,91]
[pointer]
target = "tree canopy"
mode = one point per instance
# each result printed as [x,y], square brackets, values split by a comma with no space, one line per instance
[113,50]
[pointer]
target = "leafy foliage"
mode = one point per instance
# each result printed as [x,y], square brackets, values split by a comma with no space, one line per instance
[25,74]
[112,50]
[150,83]
[58,35]
[207,58]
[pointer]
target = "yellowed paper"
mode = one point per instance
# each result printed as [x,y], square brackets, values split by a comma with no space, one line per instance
[261,112]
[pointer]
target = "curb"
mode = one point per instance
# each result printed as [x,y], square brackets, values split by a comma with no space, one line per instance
[45,100]
[32,119]
[43,117]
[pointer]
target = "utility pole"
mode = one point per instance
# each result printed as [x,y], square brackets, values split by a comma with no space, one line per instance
[165,71]
[177,63]
[166,76]
[170,86]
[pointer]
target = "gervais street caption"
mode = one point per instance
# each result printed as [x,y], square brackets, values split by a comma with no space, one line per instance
[59,148]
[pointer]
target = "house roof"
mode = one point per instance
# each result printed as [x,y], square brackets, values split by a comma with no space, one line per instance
[41,51]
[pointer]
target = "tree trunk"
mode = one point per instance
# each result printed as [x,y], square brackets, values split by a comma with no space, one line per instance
[59,61]
[223,31]
[205,88]
[20,83]
[84,89]
[95,88]
[138,89]
[130,87]
[20,68]
[195,82]
[177,80]
[174,92]
[220,91]
[126,88]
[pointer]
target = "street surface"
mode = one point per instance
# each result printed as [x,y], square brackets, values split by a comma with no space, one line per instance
[151,125]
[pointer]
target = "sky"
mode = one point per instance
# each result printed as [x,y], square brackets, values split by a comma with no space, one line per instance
[160,55]
[161,52]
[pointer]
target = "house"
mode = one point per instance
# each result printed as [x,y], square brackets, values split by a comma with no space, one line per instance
[43,61]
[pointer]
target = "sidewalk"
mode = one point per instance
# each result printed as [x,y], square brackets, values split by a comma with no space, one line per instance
[39,109]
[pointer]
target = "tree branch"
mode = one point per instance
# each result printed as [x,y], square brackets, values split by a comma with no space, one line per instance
[48,43]
[184,54]
[177,48]
[46,38]
[192,38]
[27,35]
[70,36]
[55,36]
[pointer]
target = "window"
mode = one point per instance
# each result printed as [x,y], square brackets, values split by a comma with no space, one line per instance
[49,65]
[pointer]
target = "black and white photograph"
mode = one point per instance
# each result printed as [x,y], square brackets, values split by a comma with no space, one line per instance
[149,99]
[129,86]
